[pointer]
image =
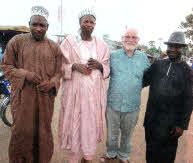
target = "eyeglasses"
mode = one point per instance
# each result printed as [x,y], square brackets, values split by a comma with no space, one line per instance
[131,37]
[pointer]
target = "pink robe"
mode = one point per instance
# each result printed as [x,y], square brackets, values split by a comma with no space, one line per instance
[83,100]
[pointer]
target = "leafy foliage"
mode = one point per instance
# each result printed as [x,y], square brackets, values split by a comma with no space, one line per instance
[151,49]
[142,47]
[188,26]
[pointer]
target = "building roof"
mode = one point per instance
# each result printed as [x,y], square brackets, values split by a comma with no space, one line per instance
[14,28]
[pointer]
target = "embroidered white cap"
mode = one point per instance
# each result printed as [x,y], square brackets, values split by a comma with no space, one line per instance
[85,12]
[39,10]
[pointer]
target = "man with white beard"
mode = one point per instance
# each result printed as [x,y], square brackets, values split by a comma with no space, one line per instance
[127,66]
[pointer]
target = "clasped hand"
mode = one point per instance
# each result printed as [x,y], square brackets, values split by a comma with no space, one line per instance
[87,68]
[176,132]
[44,86]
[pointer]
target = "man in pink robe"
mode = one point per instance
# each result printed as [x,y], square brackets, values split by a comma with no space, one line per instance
[83,100]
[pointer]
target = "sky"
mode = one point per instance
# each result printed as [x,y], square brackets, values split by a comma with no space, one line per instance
[154,20]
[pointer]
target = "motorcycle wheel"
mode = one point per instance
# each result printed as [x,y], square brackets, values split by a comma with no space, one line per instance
[6,112]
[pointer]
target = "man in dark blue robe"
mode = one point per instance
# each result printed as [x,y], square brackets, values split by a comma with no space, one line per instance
[170,102]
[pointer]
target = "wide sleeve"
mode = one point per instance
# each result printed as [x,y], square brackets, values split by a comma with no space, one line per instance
[105,60]
[56,78]
[146,63]
[9,64]
[186,110]
[67,61]
[147,76]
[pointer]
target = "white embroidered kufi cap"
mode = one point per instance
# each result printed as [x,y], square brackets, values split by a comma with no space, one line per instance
[85,12]
[40,10]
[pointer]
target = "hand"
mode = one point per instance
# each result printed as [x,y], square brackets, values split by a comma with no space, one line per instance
[94,64]
[45,86]
[176,132]
[32,77]
[82,68]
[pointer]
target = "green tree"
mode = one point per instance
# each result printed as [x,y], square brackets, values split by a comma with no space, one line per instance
[152,44]
[152,49]
[188,26]
[142,47]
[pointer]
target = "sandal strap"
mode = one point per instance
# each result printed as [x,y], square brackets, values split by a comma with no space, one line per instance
[106,157]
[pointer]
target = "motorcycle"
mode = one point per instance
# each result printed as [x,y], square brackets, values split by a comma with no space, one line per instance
[5,93]
[6,33]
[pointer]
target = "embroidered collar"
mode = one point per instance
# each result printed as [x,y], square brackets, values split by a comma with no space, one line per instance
[79,39]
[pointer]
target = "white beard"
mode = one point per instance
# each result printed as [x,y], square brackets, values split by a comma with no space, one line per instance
[129,47]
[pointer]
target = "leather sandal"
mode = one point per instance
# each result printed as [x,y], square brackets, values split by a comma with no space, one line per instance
[106,159]
[120,161]
[85,161]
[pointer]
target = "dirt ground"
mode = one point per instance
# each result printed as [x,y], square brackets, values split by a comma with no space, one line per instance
[184,154]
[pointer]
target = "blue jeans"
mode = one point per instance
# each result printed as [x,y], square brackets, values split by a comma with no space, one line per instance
[117,122]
